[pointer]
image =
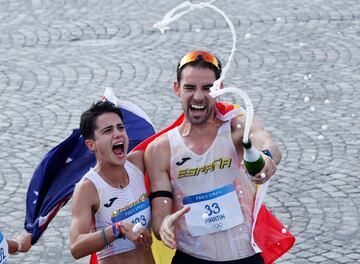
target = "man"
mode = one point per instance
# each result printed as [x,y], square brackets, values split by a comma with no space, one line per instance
[196,172]
[111,197]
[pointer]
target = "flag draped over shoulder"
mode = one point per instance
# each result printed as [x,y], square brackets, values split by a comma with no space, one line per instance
[53,181]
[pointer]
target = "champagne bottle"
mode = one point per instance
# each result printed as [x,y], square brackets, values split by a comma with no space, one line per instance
[253,160]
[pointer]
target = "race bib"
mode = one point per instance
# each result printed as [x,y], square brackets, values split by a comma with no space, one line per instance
[3,250]
[213,211]
[139,213]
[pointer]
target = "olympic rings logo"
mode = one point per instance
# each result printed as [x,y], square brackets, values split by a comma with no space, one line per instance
[216,226]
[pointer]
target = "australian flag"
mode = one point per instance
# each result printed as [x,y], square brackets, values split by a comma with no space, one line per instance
[54,179]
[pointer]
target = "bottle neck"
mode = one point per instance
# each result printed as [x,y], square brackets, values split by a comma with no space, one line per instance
[251,154]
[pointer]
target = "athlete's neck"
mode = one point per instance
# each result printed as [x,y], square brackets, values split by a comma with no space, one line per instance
[204,129]
[199,138]
[115,175]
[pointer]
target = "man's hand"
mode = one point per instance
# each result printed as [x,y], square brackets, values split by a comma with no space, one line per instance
[167,227]
[266,173]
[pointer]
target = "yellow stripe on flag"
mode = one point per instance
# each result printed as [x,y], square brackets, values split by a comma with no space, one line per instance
[162,254]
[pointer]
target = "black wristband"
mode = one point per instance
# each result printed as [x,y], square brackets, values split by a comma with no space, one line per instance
[103,237]
[156,194]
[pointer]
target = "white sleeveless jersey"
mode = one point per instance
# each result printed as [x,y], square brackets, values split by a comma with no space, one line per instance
[3,250]
[126,201]
[193,174]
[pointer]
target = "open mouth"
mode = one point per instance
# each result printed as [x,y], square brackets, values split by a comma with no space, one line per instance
[196,107]
[118,149]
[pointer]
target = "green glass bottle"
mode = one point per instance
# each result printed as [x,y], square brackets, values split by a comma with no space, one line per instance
[253,160]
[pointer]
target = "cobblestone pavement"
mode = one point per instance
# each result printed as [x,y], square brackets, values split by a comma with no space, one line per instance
[298,61]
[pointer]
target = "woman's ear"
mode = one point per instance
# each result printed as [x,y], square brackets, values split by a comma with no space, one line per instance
[90,144]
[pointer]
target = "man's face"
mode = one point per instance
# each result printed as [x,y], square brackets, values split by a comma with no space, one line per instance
[194,91]
[110,142]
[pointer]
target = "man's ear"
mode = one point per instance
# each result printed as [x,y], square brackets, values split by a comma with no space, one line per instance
[90,144]
[177,88]
[221,85]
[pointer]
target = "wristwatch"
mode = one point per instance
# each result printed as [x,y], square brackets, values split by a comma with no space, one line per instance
[267,153]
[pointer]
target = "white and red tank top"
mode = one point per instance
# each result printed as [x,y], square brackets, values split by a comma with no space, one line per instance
[219,225]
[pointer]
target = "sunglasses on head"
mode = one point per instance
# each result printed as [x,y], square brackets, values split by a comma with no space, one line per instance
[199,55]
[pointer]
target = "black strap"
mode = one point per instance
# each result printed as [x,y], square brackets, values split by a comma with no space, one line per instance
[160,194]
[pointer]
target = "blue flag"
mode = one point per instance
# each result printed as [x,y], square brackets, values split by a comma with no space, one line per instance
[54,180]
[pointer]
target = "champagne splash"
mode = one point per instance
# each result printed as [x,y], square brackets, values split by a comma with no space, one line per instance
[248,104]
[171,17]
[187,7]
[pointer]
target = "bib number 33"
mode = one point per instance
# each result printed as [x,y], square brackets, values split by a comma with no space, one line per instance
[214,211]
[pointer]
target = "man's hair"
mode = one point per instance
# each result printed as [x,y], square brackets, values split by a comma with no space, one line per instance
[199,63]
[88,118]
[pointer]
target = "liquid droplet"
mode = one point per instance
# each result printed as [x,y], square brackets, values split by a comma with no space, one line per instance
[248,36]
[324,127]
[263,175]
[197,30]
[283,231]
[313,157]
[238,125]
[205,216]
[320,137]
[327,101]
[306,99]
[278,19]
[312,109]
